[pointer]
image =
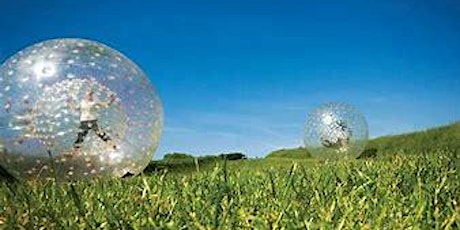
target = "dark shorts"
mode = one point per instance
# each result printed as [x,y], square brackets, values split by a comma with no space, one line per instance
[85,127]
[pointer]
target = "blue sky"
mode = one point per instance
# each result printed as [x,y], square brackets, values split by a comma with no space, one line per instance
[242,75]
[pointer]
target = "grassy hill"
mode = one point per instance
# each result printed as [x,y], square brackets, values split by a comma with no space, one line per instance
[422,142]
[297,153]
[428,141]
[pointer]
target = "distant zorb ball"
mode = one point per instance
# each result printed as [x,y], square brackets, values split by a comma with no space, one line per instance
[336,131]
[74,108]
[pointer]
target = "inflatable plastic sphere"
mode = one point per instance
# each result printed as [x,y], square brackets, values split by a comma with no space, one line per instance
[336,131]
[74,108]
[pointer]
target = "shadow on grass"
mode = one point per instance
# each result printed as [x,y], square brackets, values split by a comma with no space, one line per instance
[5,176]
[368,154]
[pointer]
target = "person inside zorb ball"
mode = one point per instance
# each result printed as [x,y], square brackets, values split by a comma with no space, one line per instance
[75,108]
[88,117]
[336,135]
[336,131]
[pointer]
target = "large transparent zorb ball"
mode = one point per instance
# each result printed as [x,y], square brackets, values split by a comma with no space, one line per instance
[336,131]
[74,108]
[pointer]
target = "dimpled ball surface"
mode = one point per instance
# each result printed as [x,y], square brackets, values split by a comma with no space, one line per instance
[336,131]
[41,92]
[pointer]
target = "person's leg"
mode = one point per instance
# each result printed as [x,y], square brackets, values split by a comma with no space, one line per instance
[325,142]
[84,128]
[101,134]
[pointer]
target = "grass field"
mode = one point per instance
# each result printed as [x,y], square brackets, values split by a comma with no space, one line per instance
[411,183]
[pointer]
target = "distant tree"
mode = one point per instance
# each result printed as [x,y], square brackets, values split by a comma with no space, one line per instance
[156,166]
[177,156]
[233,156]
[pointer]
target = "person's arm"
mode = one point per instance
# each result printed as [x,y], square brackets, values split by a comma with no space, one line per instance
[108,102]
[71,104]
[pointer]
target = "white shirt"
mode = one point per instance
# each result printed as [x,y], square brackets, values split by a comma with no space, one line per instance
[88,110]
